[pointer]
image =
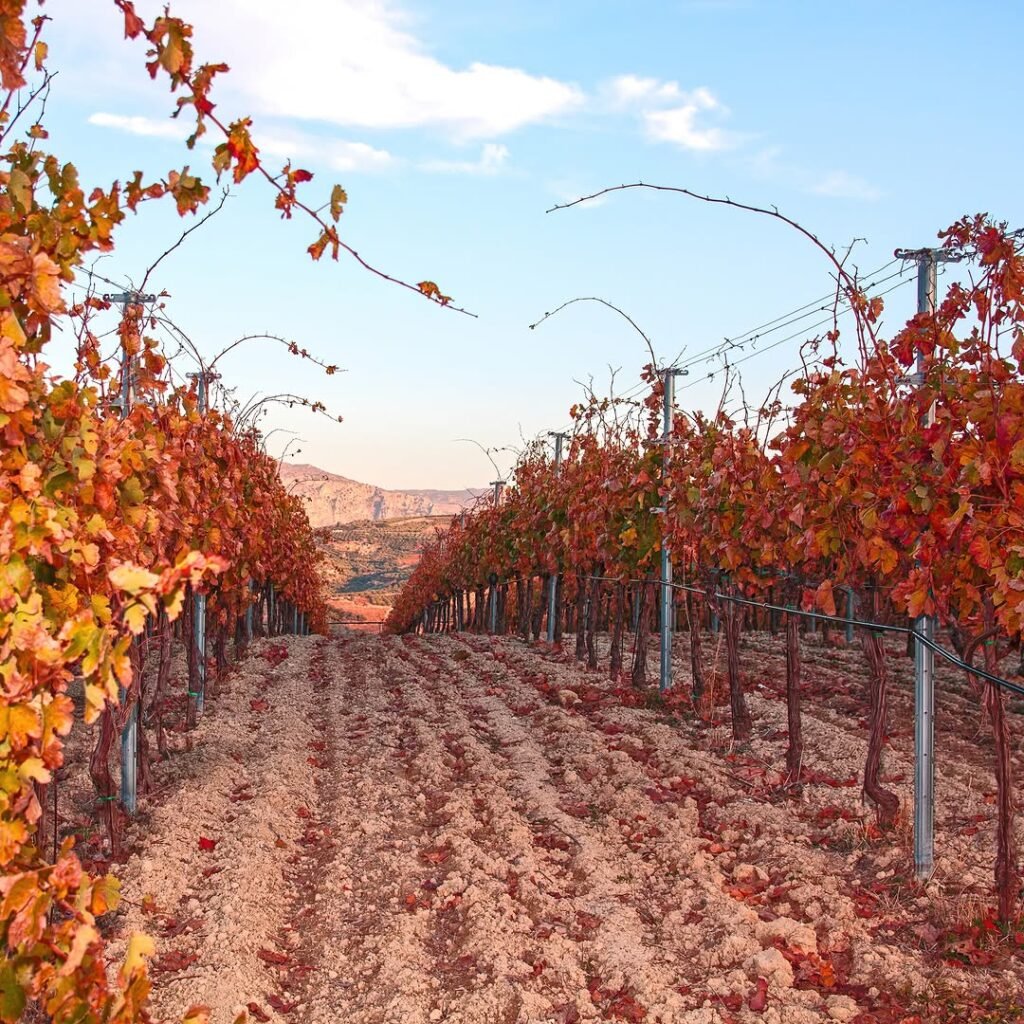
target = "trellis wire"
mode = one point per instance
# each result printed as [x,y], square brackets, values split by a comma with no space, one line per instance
[879,627]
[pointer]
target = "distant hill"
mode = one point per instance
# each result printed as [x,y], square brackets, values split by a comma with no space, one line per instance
[368,562]
[331,499]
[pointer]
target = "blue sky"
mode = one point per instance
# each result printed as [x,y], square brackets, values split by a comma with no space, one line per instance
[455,125]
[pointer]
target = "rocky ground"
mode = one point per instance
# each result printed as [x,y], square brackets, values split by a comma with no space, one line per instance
[380,830]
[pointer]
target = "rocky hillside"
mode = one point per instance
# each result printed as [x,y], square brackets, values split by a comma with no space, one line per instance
[332,499]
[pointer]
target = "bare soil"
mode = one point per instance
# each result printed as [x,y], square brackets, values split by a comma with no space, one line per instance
[379,830]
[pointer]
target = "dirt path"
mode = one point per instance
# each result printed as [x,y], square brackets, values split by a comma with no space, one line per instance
[413,830]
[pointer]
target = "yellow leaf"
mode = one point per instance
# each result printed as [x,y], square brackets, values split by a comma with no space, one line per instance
[140,946]
[11,329]
[106,895]
[135,618]
[132,578]
[84,937]
[85,469]
[197,1015]
[95,700]
[12,836]
[19,722]
[34,769]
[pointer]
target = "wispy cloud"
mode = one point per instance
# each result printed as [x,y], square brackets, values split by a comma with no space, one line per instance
[135,124]
[842,185]
[338,154]
[492,159]
[671,114]
[771,164]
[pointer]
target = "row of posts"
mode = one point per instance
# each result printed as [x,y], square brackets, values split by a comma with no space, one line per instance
[282,617]
[924,626]
[290,619]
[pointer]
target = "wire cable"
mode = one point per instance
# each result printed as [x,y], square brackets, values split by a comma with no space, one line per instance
[877,627]
[781,341]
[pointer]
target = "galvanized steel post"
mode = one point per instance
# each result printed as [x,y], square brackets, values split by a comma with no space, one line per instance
[924,626]
[667,593]
[924,657]
[130,732]
[497,485]
[202,380]
[553,581]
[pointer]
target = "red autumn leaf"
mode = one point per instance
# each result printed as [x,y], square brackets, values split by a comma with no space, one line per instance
[133,24]
[207,844]
[758,1000]
[259,705]
[280,1004]
[628,1009]
[258,1012]
[436,855]
[270,956]
[580,810]
[173,961]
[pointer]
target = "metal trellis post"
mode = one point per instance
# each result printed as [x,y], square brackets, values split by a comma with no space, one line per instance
[202,380]
[497,485]
[667,593]
[924,658]
[130,732]
[553,581]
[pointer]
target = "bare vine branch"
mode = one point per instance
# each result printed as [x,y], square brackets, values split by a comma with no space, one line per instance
[181,238]
[603,302]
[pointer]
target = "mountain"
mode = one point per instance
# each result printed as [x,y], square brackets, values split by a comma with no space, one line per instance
[331,499]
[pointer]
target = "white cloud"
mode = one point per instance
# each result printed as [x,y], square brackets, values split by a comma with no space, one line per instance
[672,114]
[492,158]
[136,125]
[355,63]
[842,185]
[288,145]
[679,124]
[628,90]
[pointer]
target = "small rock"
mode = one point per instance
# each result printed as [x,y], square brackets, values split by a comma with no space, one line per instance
[842,1008]
[746,873]
[773,966]
[435,1014]
[567,698]
[799,937]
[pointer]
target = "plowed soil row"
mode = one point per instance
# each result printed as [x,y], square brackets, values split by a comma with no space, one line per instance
[473,830]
